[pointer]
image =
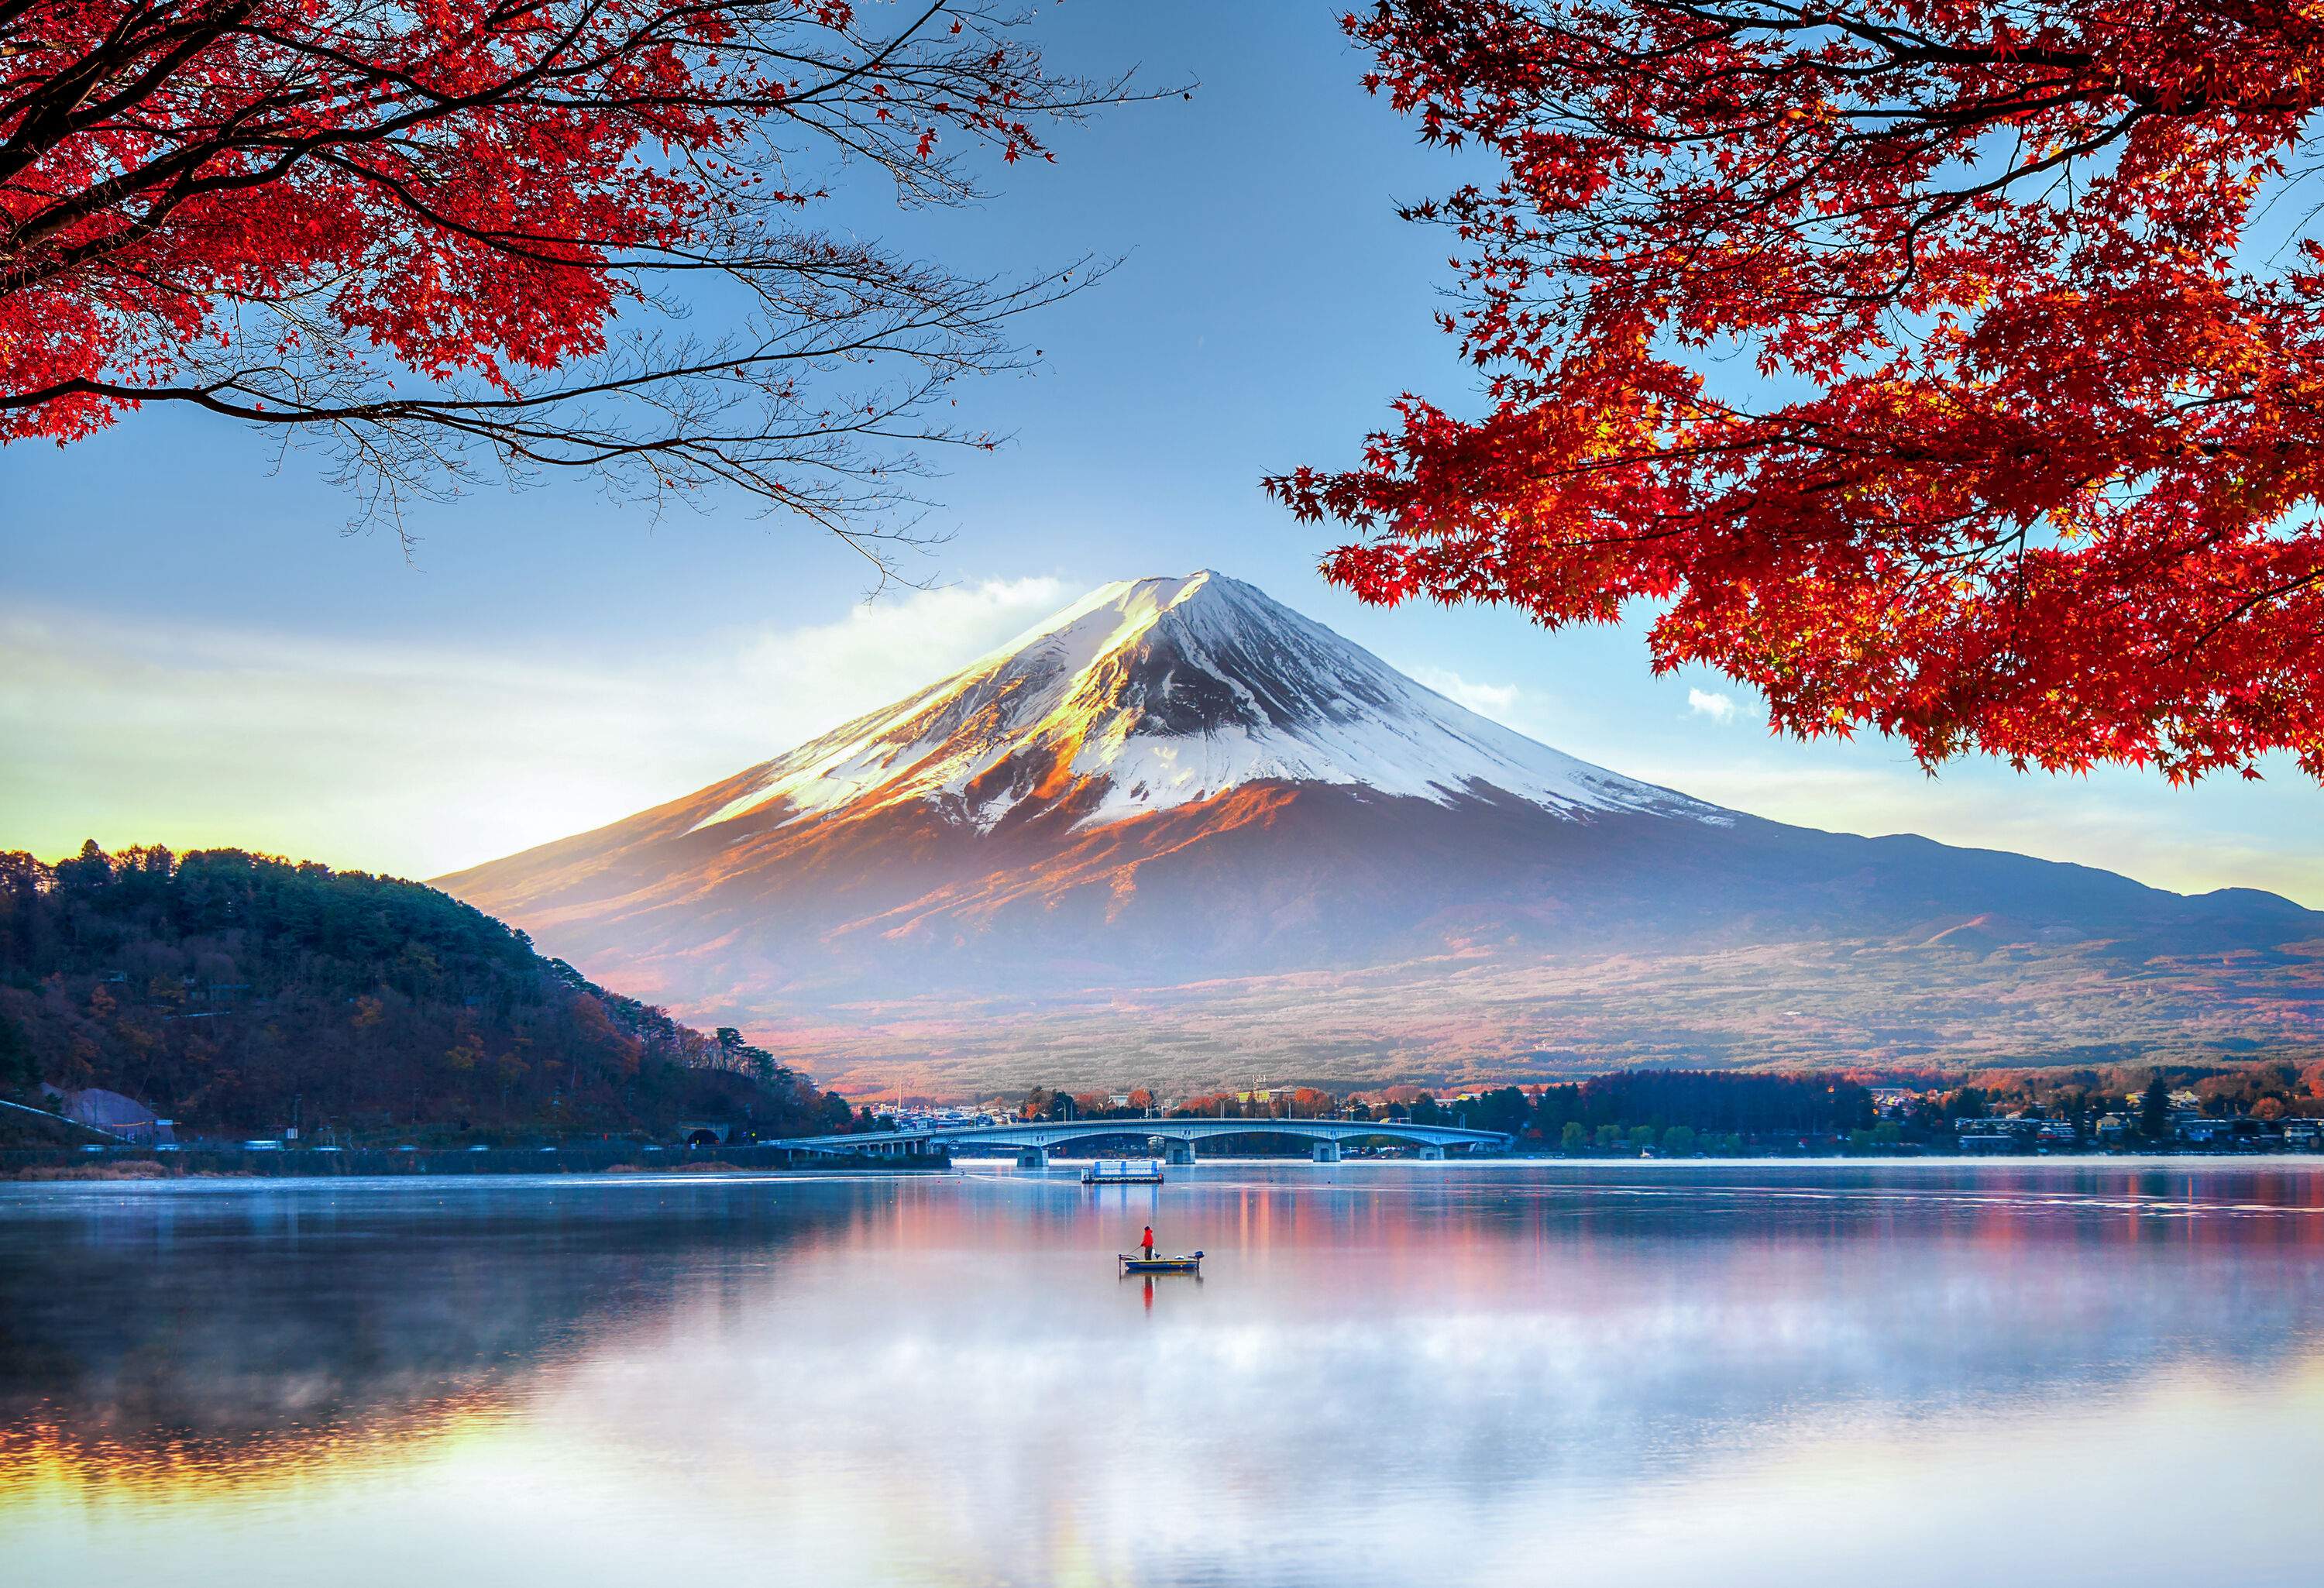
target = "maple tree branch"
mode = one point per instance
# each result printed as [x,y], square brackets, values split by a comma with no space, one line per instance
[436,242]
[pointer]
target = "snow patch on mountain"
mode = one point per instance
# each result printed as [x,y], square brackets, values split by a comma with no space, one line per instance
[1164,691]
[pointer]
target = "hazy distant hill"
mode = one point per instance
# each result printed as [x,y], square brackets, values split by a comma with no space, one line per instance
[1179,832]
[227,991]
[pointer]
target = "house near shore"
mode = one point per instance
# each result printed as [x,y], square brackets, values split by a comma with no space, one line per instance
[2206,1130]
[1894,1102]
[2016,1132]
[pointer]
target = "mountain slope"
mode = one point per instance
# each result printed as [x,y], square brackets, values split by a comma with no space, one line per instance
[1178,820]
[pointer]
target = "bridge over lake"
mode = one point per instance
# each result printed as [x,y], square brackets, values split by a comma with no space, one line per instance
[1034,1140]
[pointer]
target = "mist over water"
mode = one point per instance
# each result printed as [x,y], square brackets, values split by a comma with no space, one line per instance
[1571,1373]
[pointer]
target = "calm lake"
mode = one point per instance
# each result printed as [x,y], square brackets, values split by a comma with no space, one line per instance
[1634,1373]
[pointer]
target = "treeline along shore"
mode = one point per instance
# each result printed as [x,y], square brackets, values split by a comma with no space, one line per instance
[2257,1106]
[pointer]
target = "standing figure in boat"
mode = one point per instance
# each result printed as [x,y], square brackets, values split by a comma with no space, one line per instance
[1145,1240]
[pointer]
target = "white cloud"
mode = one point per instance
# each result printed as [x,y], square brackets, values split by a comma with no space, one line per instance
[1497,701]
[886,648]
[419,760]
[1719,708]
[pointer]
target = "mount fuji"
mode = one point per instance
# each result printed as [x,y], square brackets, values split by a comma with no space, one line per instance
[1178,833]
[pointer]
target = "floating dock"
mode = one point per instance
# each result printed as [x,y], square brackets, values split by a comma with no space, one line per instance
[1126,1171]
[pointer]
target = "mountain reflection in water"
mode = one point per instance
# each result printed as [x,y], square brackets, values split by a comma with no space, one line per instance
[1572,1374]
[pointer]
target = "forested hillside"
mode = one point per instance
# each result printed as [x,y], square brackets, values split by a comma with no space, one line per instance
[235,992]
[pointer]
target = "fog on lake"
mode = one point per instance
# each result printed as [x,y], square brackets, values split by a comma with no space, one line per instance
[1575,1373]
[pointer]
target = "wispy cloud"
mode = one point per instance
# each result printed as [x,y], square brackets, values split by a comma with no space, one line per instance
[1717,707]
[889,648]
[1498,701]
[421,760]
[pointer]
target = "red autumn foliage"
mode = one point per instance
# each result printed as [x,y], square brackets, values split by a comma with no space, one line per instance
[2031,458]
[465,235]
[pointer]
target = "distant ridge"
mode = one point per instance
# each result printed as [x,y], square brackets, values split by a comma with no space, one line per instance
[1179,829]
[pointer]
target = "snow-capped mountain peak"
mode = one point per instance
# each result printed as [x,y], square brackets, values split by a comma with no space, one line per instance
[1159,692]
[1178,831]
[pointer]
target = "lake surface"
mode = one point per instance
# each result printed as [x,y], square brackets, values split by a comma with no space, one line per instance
[1643,1374]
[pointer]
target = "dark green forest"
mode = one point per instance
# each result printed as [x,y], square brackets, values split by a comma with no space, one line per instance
[243,993]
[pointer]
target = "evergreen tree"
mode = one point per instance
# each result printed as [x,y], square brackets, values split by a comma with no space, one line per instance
[2154,1111]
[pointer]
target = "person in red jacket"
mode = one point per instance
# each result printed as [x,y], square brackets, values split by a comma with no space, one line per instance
[1147,1241]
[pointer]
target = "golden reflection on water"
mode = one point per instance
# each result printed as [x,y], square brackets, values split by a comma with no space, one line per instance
[1758,1374]
[43,1458]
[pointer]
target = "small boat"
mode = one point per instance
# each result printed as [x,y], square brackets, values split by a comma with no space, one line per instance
[1124,1172]
[1131,1263]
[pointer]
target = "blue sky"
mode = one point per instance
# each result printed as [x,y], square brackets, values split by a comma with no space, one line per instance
[192,652]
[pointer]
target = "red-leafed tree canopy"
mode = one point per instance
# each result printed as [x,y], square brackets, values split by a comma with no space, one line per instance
[1951,366]
[470,236]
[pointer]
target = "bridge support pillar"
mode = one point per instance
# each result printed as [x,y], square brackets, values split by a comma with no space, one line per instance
[1327,1152]
[1179,1152]
[1037,1158]
[1429,1150]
